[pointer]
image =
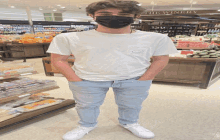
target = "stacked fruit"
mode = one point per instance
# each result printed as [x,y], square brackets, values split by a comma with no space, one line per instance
[205,54]
[28,38]
[191,44]
[40,38]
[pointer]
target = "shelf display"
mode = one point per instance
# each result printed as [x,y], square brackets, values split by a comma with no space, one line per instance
[173,29]
[24,86]
[22,98]
[17,116]
[196,42]
[50,28]
[6,114]
[39,105]
[12,69]
[20,27]
[202,71]
[28,38]
[30,106]
[205,54]
[14,28]
[193,45]
[41,36]
[204,29]
[187,29]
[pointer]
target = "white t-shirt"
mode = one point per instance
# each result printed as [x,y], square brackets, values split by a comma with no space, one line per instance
[108,57]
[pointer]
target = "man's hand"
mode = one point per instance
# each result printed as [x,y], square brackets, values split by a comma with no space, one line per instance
[158,64]
[61,64]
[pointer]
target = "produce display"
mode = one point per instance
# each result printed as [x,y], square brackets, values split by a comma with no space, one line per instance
[39,105]
[6,114]
[43,33]
[28,38]
[24,85]
[14,28]
[26,104]
[192,44]
[196,41]
[15,68]
[205,54]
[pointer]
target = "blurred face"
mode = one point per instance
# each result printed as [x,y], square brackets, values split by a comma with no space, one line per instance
[112,12]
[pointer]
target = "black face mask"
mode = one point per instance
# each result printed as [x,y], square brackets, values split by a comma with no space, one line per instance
[114,21]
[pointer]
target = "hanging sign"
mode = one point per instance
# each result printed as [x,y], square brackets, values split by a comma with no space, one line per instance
[180,12]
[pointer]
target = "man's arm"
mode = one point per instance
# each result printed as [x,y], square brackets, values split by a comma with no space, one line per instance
[61,64]
[158,64]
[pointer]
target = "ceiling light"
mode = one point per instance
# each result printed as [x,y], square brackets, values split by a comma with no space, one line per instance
[139,4]
[40,8]
[55,10]
[12,7]
[219,10]
[62,7]
[58,5]
[194,2]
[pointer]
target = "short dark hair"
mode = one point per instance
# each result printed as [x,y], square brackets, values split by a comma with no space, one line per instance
[129,6]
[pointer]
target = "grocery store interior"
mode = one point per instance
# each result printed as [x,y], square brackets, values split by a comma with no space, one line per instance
[37,104]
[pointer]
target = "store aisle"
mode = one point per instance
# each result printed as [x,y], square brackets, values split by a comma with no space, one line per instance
[172,112]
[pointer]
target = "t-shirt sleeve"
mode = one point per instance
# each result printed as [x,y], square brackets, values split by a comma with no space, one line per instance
[165,47]
[59,45]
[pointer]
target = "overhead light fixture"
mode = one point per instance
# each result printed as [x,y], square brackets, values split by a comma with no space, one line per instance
[63,7]
[139,4]
[54,10]
[40,8]
[12,7]
[153,3]
[194,2]
[219,10]
[58,5]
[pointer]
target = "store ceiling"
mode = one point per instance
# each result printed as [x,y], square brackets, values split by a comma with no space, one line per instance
[80,5]
[155,5]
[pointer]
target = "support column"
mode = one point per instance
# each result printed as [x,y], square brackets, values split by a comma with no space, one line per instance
[30,19]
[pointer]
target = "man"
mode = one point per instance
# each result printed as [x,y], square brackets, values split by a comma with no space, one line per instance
[111,56]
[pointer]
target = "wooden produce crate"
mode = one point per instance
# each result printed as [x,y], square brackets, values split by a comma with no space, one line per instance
[191,70]
[29,50]
[50,69]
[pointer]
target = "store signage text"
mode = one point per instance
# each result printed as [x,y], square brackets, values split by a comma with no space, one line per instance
[170,12]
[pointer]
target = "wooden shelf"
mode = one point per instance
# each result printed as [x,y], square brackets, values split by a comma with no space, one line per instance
[194,59]
[203,71]
[66,104]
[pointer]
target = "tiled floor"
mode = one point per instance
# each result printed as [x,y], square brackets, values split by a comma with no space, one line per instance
[171,111]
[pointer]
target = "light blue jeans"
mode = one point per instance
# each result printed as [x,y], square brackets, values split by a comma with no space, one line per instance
[90,95]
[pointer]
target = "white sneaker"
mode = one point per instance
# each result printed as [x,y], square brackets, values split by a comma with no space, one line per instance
[77,133]
[139,131]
